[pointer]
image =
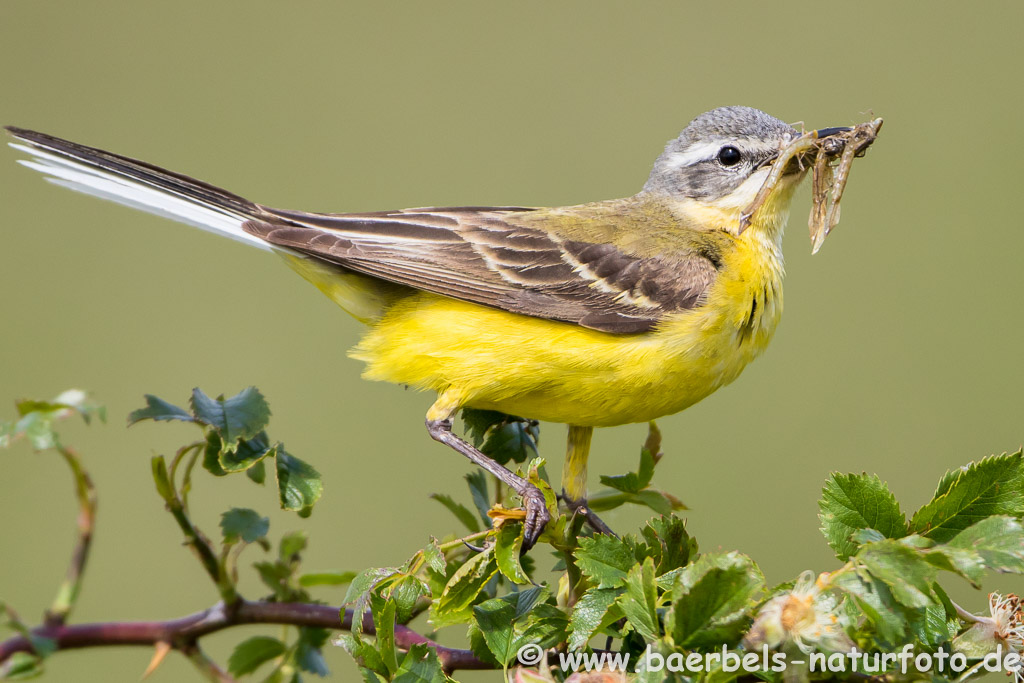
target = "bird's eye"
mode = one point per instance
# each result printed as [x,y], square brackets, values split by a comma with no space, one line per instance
[729,156]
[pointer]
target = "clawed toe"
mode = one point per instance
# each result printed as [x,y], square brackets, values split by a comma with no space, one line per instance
[537,516]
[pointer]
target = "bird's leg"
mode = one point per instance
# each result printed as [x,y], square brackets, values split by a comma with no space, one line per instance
[574,477]
[439,424]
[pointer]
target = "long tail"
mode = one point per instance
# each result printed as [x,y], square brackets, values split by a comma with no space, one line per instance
[173,195]
[138,185]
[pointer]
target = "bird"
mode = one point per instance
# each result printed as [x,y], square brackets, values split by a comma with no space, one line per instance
[593,315]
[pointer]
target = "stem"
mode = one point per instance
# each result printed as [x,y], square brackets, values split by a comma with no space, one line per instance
[465,539]
[204,550]
[417,560]
[970,672]
[969,617]
[85,492]
[183,633]
[206,666]
[196,449]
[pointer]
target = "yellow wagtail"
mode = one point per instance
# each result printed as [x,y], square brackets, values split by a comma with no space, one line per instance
[594,315]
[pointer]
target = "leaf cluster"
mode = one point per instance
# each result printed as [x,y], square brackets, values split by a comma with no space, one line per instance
[578,591]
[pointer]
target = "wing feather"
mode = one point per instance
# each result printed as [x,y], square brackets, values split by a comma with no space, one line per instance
[484,256]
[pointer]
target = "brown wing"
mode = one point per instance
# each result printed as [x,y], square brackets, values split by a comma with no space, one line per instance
[481,255]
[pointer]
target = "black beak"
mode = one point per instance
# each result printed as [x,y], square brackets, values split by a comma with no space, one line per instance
[826,132]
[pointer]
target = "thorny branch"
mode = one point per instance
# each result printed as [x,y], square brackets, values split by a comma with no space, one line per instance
[183,633]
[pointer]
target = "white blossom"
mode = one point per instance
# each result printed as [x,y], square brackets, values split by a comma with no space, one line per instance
[804,616]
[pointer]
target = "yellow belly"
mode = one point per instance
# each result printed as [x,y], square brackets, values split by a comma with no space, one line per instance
[558,372]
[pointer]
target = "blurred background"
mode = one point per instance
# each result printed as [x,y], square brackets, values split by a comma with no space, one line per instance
[899,354]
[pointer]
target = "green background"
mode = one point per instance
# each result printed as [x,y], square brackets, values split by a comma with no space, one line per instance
[899,354]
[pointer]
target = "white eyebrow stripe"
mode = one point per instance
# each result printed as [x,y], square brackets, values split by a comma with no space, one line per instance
[699,152]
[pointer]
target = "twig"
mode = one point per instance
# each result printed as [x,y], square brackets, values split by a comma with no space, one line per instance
[69,589]
[206,666]
[203,549]
[969,617]
[195,538]
[183,633]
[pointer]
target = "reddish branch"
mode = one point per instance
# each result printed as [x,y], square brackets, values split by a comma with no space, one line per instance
[182,633]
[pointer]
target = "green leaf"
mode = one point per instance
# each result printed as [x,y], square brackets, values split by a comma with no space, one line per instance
[420,665]
[244,524]
[250,654]
[366,657]
[930,626]
[866,536]
[536,475]
[258,473]
[710,600]
[478,645]
[247,453]
[292,543]
[434,557]
[37,418]
[875,601]
[903,569]
[605,560]
[640,601]
[242,416]
[999,541]
[309,650]
[655,500]
[508,542]
[495,619]
[501,437]
[275,576]
[298,483]
[459,510]
[634,482]
[161,477]
[512,440]
[384,621]
[934,626]
[211,455]
[37,427]
[361,590]
[21,666]
[962,561]
[477,422]
[326,579]
[851,502]
[159,410]
[993,486]
[589,613]
[509,622]
[477,482]
[366,580]
[72,400]
[668,543]
[463,588]
[646,673]
[406,592]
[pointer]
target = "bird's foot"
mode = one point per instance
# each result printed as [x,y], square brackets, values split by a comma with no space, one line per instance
[537,515]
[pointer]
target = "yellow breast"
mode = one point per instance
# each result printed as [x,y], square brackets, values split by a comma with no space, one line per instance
[560,372]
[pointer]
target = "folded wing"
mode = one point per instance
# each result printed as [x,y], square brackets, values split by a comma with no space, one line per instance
[484,255]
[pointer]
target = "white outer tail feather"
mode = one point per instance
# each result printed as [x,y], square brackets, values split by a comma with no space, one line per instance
[85,177]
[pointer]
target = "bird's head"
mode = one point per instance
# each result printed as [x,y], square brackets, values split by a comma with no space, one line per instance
[717,165]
